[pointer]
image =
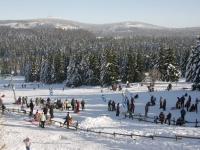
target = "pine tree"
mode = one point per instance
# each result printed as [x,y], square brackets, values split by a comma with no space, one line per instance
[59,75]
[103,64]
[161,63]
[193,66]
[4,66]
[171,67]
[73,72]
[140,70]
[93,74]
[47,70]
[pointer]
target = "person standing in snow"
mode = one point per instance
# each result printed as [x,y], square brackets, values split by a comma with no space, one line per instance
[183,112]
[146,109]
[109,105]
[117,112]
[51,110]
[168,117]
[128,104]
[164,105]
[113,106]
[72,103]
[68,119]
[3,107]
[83,104]
[45,110]
[66,103]
[31,107]
[27,143]
[161,117]
[42,119]
[160,102]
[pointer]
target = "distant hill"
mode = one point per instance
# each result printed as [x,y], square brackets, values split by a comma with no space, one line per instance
[121,29]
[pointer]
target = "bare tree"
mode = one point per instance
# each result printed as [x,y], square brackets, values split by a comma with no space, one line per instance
[155,75]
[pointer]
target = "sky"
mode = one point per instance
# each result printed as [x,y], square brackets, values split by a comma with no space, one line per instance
[166,13]
[96,117]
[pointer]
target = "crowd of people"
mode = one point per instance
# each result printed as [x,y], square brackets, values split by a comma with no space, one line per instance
[48,106]
[180,104]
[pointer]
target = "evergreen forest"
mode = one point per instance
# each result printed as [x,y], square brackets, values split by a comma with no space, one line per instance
[79,57]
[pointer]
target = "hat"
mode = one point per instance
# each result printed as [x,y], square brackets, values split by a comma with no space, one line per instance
[27,139]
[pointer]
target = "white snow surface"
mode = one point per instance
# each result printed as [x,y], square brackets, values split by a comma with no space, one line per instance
[96,117]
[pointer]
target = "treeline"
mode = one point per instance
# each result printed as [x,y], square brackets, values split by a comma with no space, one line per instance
[78,57]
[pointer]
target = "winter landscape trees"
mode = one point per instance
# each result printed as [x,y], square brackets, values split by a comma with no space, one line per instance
[78,57]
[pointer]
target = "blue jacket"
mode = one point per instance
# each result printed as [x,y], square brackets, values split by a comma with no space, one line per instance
[183,112]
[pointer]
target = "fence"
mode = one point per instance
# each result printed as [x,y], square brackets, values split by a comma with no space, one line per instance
[145,118]
[75,128]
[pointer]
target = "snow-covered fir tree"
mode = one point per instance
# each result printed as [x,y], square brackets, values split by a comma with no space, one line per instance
[73,72]
[193,65]
[170,67]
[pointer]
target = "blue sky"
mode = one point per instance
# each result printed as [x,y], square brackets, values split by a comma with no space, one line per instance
[167,13]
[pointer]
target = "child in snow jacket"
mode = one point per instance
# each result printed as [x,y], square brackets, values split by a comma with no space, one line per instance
[27,143]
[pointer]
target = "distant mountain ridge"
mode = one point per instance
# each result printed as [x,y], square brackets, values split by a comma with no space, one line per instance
[113,29]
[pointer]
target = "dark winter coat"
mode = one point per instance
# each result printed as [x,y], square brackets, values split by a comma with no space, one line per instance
[162,116]
[169,116]
[45,110]
[164,103]
[31,105]
[183,112]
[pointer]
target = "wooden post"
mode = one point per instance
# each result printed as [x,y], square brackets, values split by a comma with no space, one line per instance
[131,135]
[174,120]
[196,123]
[60,124]
[176,137]
[152,137]
[99,132]
[114,134]
[18,111]
[76,125]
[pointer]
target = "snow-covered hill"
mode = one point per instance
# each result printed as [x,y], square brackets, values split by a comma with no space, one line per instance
[128,28]
[69,24]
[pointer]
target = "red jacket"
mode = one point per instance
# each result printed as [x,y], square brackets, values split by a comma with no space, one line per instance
[164,103]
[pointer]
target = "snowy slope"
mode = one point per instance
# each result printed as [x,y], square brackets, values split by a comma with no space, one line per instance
[52,137]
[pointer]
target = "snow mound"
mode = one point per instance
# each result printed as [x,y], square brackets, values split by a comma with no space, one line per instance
[102,121]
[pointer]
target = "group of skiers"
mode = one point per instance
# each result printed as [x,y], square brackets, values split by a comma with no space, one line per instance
[181,103]
[162,119]
[112,107]
[163,103]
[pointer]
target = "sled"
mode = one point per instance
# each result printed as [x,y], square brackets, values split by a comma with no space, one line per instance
[173,108]
[32,120]
[104,115]
[76,111]
[184,88]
